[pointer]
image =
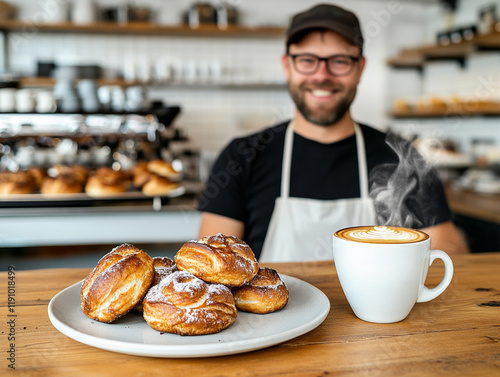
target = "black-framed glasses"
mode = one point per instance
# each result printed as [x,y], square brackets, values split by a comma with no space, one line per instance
[336,65]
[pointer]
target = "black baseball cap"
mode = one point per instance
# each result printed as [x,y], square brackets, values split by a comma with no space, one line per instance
[325,16]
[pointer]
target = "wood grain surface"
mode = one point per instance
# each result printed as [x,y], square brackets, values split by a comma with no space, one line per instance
[457,334]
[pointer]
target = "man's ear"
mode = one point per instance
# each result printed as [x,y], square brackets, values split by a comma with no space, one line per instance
[285,62]
[362,64]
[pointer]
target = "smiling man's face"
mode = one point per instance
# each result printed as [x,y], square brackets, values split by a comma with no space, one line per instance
[321,97]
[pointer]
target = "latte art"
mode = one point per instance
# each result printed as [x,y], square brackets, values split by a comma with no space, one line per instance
[381,234]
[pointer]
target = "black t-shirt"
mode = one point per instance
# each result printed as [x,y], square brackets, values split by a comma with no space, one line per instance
[246,179]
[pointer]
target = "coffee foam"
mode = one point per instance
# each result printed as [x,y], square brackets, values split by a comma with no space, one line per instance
[381,234]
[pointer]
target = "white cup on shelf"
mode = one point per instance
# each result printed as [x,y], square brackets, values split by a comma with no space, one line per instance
[25,100]
[83,12]
[54,11]
[8,100]
[46,101]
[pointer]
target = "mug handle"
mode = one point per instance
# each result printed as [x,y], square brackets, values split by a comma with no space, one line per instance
[430,294]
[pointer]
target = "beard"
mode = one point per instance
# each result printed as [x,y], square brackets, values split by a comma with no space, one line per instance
[325,116]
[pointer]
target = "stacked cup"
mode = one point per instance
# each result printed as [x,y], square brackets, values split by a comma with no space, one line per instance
[87,90]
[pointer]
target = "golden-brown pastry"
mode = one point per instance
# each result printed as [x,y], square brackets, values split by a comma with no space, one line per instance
[158,186]
[15,183]
[140,174]
[218,259]
[265,293]
[112,174]
[107,182]
[80,173]
[38,174]
[163,267]
[63,184]
[118,282]
[76,172]
[185,305]
[163,169]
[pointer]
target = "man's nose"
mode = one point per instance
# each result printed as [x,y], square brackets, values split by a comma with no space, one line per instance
[323,69]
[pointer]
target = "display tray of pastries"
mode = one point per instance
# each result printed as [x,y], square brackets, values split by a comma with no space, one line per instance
[213,298]
[147,179]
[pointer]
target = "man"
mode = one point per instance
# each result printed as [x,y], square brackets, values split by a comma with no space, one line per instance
[287,189]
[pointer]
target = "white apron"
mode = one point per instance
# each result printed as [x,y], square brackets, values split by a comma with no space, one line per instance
[301,229]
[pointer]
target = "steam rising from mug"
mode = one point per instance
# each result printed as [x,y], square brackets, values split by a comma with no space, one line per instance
[398,190]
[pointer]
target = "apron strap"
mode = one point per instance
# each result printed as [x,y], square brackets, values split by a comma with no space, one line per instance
[362,165]
[287,162]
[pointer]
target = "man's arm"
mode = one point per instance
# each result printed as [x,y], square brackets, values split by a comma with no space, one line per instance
[447,237]
[212,224]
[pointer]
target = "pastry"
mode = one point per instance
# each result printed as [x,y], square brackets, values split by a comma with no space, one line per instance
[265,293]
[140,174]
[158,186]
[15,183]
[118,282]
[185,305]
[38,175]
[76,172]
[107,182]
[163,169]
[80,173]
[63,184]
[163,267]
[218,259]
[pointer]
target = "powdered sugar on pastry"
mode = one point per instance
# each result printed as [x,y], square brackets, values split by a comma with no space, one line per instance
[183,304]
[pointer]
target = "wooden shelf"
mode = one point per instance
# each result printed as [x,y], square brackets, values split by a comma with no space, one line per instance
[143,28]
[417,57]
[466,110]
[48,82]
[485,207]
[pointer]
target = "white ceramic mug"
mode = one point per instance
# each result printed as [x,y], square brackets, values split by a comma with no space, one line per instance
[8,100]
[382,270]
[25,100]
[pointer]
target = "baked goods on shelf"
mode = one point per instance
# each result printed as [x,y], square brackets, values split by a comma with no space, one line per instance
[76,172]
[118,282]
[16,183]
[140,174]
[265,293]
[163,169]
[158,186]
[442,105]
[107,182]
[38,174]
[98,182]
[64,184]
[218,259]
[185,305]
[155,178]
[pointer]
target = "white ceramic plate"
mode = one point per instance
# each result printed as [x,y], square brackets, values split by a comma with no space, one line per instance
[306,309]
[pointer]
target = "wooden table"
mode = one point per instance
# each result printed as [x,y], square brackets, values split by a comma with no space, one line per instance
[457,334]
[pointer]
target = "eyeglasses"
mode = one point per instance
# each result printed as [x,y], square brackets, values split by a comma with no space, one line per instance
[336,65]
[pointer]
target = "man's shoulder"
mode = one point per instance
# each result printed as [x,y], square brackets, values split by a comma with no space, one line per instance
[266,133]
[260,139]
[372,134]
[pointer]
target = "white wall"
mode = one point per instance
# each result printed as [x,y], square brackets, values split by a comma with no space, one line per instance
[212,116]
